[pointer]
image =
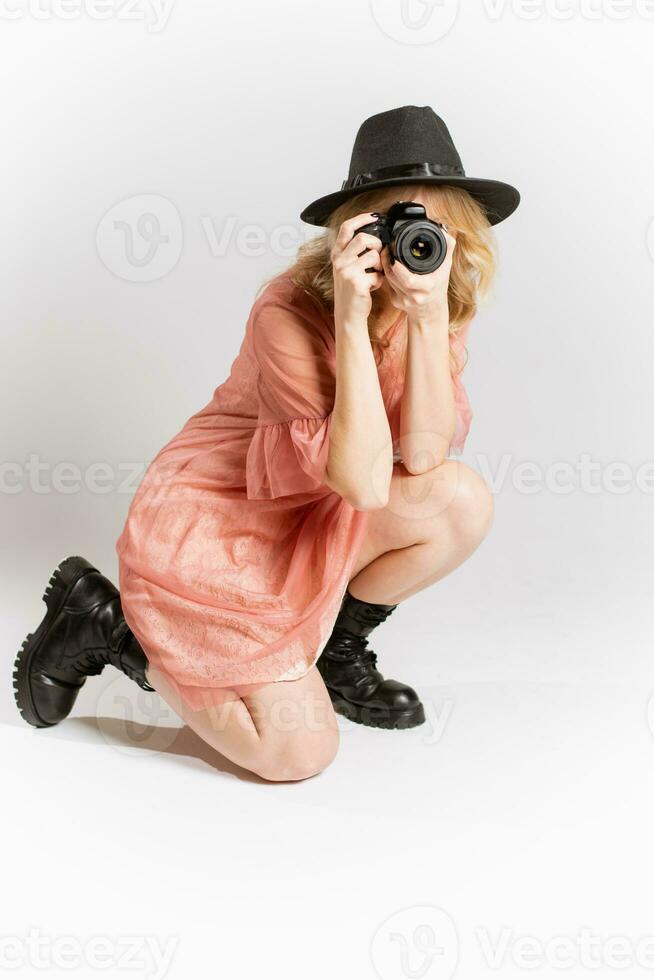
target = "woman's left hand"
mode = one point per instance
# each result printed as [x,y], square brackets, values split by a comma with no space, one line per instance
[423,297]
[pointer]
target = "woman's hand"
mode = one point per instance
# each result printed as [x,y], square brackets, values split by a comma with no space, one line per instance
[352,283]
[421,297]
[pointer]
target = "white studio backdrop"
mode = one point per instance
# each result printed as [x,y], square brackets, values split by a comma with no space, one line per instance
[223,121]
[155,160]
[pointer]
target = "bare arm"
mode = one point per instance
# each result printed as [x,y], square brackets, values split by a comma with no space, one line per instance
[427,413]
[360,463]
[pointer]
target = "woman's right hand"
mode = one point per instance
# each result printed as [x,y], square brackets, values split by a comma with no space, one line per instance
[352,284]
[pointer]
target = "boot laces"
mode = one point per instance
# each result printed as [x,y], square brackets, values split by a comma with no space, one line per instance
[136,677]
[134,673]
[354,653]
[364,659]
[91,662]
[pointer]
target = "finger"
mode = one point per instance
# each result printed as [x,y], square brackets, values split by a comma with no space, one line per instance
[386,265]
[448,233]
[405,279]
[358,245]
[390,270]
[349,227]
[369,260]
[376,280]
[413,283]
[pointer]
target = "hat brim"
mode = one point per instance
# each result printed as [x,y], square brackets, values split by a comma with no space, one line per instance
[498,199]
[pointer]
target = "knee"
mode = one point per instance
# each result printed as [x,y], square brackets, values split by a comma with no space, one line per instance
[471,506]
[298,758]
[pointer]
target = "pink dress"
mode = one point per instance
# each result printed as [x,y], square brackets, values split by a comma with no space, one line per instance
[235,555]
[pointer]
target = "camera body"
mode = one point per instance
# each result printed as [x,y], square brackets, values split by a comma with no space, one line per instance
[411,237]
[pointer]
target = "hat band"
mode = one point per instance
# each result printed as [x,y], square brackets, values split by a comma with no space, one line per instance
[404,170]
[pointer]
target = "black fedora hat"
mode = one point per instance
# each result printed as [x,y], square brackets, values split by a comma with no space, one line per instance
[410,145]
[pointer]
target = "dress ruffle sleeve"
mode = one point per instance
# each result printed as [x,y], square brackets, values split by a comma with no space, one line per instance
[287,457]
[296,385]
[462,409]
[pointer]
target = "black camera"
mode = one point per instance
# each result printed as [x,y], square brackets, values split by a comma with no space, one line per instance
[411,237]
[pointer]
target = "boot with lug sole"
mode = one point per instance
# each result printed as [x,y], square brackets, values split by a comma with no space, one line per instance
[357,689]
[82,631]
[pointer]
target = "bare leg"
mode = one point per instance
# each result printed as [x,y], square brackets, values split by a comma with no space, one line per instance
[283,731]
[432,523]
[288,730]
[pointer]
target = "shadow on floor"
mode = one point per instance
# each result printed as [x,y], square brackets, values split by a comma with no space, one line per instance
[180,743]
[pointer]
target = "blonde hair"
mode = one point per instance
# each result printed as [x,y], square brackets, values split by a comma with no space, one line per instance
[473,263]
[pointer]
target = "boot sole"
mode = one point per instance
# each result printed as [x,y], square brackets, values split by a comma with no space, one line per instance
[377,717]
[55,596]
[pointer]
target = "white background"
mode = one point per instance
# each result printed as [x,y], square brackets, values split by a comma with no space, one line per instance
[526,802]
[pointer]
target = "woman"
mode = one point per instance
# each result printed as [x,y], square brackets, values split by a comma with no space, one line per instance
[313,494]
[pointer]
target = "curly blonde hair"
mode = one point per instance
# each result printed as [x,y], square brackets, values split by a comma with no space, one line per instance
[473,264]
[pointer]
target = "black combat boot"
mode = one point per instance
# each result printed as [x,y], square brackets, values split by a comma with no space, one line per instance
[357,689]
[82,631]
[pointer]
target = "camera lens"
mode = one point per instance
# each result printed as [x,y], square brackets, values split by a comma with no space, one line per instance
[420,245]
[420,248]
